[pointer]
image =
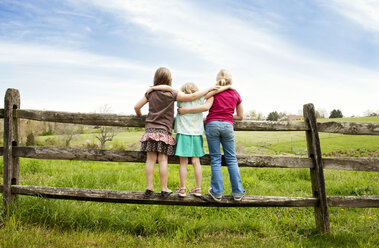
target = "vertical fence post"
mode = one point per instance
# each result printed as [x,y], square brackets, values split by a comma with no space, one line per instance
[11,132]
[317,173]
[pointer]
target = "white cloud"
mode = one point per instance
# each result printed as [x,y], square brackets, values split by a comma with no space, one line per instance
[364,12]
[269,73]
[56,78]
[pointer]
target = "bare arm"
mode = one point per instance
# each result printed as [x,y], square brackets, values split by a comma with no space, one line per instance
[161,87]
[239,114]
[198,109]
[139,105]
[219,90]
[190,97]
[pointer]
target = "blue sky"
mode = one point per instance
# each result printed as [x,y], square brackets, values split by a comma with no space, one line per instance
[77,55]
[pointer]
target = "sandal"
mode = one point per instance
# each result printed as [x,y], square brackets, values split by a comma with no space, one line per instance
[148,193]
[165,194]
[181,192]
[195,191]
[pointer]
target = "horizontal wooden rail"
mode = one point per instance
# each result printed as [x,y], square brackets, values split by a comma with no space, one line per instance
[353,164]
[367,201]
[353,128]
[82,118]
[135,121]
[246,125]
[205,200]
[138,198]
[59,153]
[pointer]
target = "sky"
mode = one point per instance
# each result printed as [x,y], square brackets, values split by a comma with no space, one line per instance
[79,55]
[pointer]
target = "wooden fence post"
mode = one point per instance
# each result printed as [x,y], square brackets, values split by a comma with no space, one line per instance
[317,173]
[11,132]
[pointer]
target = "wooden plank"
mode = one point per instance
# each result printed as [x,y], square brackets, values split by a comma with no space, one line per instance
[317,173]
[268,126]
[138,198]
[353,128]
[127,197]
[260,201]
[354,201]
[11,140]
[1,113]
[245,125]
[60,153]
[140,157]
[354,164]
[83,118]
[135,121]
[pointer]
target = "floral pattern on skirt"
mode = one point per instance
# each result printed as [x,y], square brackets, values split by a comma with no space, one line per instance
[157,140]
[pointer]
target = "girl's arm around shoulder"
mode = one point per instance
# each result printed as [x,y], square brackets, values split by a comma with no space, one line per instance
[198,109]
[219,90]
[139,105]
[190,97]
[161,87]
[239,112]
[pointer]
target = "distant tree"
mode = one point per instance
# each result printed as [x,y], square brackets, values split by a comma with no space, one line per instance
[106,133]
[370,113]
[251,115]
[336,113]
[282,114]
[67,132]
[273,116]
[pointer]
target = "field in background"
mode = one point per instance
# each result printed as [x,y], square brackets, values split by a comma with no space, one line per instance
[38,222]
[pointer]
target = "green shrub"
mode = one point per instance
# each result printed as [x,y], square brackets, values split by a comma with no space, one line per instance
[47,133]
[51,141]
[30,140]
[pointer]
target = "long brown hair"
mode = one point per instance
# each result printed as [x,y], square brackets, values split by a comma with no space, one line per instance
[162,76]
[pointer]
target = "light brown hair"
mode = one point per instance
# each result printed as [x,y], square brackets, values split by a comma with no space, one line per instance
[162,76]
[224,78]
[189,88]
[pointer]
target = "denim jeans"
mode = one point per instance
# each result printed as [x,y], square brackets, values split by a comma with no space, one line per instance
[221,132]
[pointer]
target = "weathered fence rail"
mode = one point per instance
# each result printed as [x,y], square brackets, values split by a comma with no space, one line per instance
[117,196]
[60,153]
[12,152]
[134,121]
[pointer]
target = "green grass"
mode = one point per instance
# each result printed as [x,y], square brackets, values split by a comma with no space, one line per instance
[38,222]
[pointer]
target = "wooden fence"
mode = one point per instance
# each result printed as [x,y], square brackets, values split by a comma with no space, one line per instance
[12,152]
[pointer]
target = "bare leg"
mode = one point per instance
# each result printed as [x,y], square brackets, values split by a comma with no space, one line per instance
[198,174]
[149,169]
[163,170]
[183,171]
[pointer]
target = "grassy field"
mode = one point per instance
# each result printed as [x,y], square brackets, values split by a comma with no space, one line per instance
[38,222]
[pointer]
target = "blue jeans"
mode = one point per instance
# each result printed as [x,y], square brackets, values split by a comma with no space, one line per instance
[221,132]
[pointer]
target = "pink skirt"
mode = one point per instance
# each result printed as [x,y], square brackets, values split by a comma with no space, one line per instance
[157,140]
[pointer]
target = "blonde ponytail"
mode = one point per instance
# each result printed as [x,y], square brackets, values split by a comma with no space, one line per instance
[224,78]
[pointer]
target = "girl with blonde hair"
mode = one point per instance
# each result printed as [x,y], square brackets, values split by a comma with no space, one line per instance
[219,130]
